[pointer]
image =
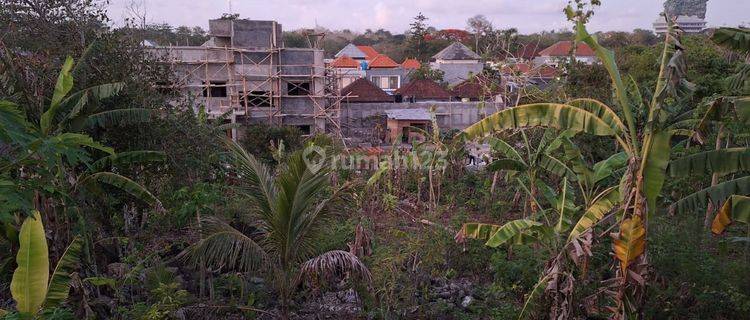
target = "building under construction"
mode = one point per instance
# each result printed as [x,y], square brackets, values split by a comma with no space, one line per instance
[244,72]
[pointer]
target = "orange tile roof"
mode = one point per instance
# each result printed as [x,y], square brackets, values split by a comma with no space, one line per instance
[562,48]
[411,64]
[369,51]
[344,62]
[382,61]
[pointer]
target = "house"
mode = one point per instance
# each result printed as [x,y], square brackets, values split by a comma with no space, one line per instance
[362,90]
[376,67]
[401,121]
[347,70]
[423,90]
[560,52]
[352,51]
[479,88]
[457,62]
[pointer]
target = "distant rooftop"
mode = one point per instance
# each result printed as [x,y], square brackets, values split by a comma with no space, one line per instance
[382,61]
[363,90]
[370,52]
[424,89]
[562,49]
[408,114]
[351,51]
[456,51]
[411,64]
[344,61]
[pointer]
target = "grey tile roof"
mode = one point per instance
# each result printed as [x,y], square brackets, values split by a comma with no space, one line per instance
[352,52]
[456,51]
[408,114]
[455,73]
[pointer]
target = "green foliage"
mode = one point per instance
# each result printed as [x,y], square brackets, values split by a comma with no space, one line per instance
[287,211]
[29,285]
[425,72]
[262,139]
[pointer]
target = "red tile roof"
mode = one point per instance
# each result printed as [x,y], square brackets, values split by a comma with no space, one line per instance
[424,89]
[382,61]
[369,51]
[345,62]
[362,90]
[562,48]
[547,72]
[411,64]
[477,88]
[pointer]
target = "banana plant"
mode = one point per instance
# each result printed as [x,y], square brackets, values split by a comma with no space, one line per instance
[437,153]
[46,152]
[647,147]
[32,288]
[730,194]
[526,168]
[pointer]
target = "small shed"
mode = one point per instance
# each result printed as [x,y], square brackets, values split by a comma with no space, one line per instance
[401,122]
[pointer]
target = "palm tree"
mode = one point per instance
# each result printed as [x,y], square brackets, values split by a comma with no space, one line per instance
[284,219]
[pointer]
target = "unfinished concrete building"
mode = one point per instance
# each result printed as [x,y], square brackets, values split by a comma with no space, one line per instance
[245,72]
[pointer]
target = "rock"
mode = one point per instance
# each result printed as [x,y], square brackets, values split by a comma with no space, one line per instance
[467,301]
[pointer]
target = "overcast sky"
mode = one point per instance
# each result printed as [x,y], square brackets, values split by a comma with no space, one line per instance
[395,15]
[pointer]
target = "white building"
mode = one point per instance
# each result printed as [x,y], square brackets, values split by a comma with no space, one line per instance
[560,52]
[458,63]
[688,24]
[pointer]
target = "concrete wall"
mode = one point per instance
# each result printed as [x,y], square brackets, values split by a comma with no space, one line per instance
[254,34]
[366,122]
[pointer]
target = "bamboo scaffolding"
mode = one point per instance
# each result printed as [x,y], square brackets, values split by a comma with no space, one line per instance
[256,83]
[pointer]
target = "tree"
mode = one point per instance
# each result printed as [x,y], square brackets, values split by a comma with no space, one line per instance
[416,42]
[425,72]
[480,26]
[284,222]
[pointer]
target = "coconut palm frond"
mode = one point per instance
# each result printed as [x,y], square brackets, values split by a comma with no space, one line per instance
[223,246]
[332,264]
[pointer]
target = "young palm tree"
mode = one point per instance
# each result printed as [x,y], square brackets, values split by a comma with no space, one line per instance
[285,214]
